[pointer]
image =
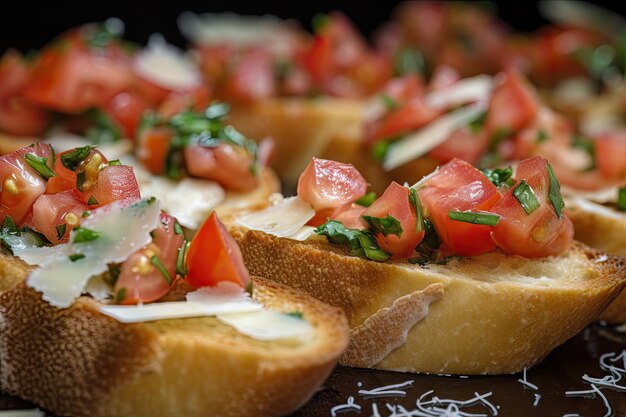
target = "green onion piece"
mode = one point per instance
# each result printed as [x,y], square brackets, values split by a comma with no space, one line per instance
[386,225]
[120,295]
[85,235]
[498,176]
[415,201]
[475,218]
[92,201]
[61,230]
[621,199]
[367,199]
[114,162]
[72,159]
[526,197]
[296,314]
[181,260]
[76,256]
[159,265]
[39,164]
[554,193]
[389,103]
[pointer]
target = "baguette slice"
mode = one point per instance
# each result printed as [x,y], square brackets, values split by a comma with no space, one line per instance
[78,362]
[497,314]
[604,229]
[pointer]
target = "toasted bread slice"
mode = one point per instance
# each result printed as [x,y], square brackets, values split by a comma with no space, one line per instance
[495,313]
[78,362]
[603,228]
[301,128]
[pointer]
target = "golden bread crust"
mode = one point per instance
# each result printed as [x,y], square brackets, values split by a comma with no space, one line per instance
[78,362]
[498,313]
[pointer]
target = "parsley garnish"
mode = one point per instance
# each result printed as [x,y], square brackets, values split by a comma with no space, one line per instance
[8,225]
[92,201]
[159,265]
[71,159]
[76,256]
[250,288]
[554,193]
[380,149]
[61,230]
[526,197]
[474,218]
[386,225]
[38,163]
[120,295]
[409,61]
[85,235]
[542,136]
[476,125]
[389,103]
[499,176]
[360,242]
[114,162]
[621,199]
[367,199]
[296,314]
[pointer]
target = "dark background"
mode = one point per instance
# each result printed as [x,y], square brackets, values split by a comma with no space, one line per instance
[28,25]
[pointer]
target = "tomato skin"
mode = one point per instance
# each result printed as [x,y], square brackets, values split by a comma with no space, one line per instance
[513,105]
[152,148]
[126,109]
[411,116]
[458,186]
[197,99]
[395,202]
[115,183]
[51,210]
[20,184]
[142,281]
[348,214]
[610,150]
[328,184]
[225,164]
[540,233]
[214,256]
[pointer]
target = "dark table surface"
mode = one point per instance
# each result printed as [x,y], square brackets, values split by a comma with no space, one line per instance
[560,372]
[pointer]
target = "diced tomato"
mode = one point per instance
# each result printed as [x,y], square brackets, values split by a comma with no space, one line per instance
[395,202]
[458,186]
[402,89]
[152,148]
[348,214]
[71,78]
[540,233]
[139,278]
[197,99]
[319,60]
[463,144]
[126,109]
[411,116]
[20,184]
[513,105]
[230,166]
[610,150]
[55,215]
[64,179]
[329,184]
[214,256]
[17,116]
[114,183]
[251,78]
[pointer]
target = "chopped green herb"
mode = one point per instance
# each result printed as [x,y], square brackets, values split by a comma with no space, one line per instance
[415,202]
[367,199]
[380,149]
[159,265]
[499,176]
[8,225]
[92,201]
[181,260]
[177,228]
[387,226]
[431,261]
[114,162]
[250,288]
[320,20]
[621,199]
[542,136]
[61,230]
[120,295]
[389,103]
[114,271]
[12,238]
[296,314]
[102,128]
[72,159]
[76,256]
[431,241]
[217,110]
[359,241]
[554,193]
[83,234]
[497,137]
[475,218]
[476,125]
[86,213]
[409,61]
[526,197]
[39,164]
[80,180]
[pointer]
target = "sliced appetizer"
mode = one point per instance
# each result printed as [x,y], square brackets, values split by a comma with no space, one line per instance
[465,272]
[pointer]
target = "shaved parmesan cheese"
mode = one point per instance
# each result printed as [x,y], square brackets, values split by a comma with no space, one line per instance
[303,233]
[464,91]
[62,141]
[282,220]
[425,139]
[22,413]
[604,195]
[122,232]
[238,31]
[267,325]
[599,209]
[190,200]
[167,66]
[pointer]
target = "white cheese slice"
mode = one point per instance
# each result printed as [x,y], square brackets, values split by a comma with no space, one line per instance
[122,232]
[166,65]
[603,195]
[599,209]
[417,144]
[62,141]
[22,413]
[267,325]
[238,30]
[303,233]
[282,220]
[464,91]
[190,200]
